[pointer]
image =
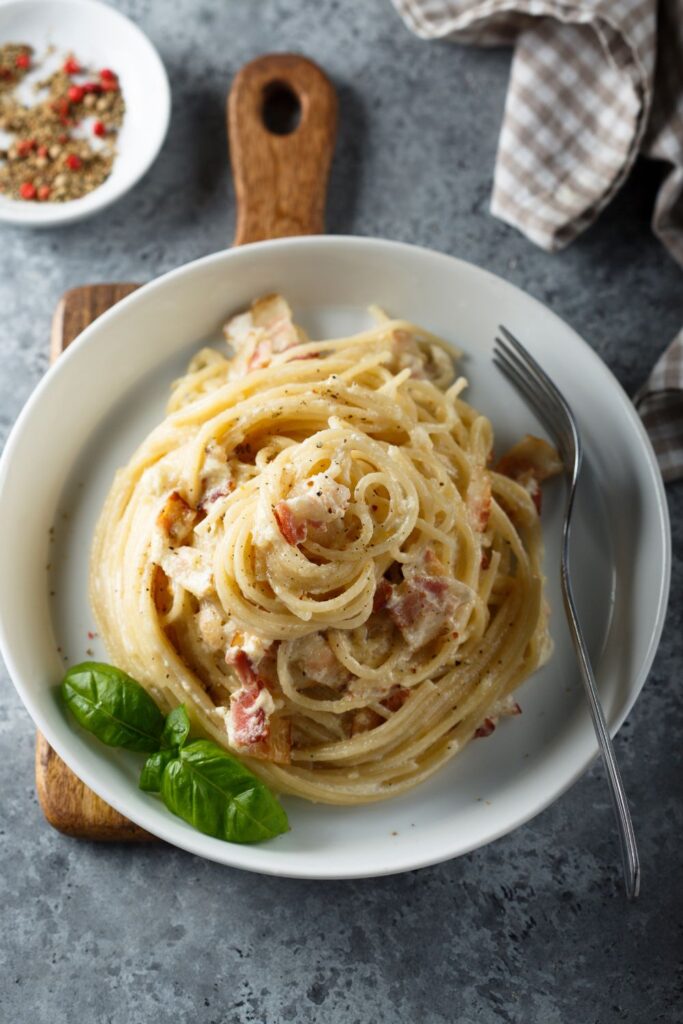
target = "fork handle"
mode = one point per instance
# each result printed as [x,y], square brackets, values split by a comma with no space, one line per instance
[627,837]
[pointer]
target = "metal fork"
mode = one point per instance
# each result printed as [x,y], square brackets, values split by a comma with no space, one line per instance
[513,360]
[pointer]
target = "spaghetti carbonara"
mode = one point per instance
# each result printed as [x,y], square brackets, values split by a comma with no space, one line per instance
[312,553]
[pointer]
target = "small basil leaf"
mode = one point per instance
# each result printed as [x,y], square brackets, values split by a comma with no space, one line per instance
[176,729]
[153,769]
[211,790]
[110,704]
[255,815]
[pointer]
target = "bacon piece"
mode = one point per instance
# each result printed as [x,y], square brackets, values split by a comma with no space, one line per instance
[396,699]
[531,454]
[251,726]
[383,592]
[529,462]
[259,655]
[433,565]
[266,329]
[248,722]
[177,518]
[217,479]
[506,707]
[253,731]
[294,531]
[218,492]
[313,502]
[485,729]
[261,355]
[274,316]
[243,667]
[503,708]
[422,605]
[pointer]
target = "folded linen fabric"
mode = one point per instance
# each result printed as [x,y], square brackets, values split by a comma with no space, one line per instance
[592,84]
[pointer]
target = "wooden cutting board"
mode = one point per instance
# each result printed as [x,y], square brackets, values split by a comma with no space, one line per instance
[281,114]
[67,802]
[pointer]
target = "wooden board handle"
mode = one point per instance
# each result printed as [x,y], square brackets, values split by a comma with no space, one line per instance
[75,810]
[67,802]
[282,125]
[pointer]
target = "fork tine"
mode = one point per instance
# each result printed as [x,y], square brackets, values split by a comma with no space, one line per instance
[537,400]
[528,372]
[530,400]
[525,381]
[541,392]
[539,373]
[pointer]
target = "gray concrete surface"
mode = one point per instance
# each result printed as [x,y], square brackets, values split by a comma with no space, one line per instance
[533,928]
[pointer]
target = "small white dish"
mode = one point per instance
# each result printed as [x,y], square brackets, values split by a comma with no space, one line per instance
[99,37]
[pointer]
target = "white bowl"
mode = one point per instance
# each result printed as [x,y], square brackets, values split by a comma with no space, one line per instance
[99,37]
[110,388]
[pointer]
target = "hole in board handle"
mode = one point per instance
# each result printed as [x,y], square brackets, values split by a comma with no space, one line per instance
[281,109]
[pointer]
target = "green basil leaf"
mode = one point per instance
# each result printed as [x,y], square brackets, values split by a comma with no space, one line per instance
[153,769]
[110,704]
[256,814]
[211,790]
[176,729]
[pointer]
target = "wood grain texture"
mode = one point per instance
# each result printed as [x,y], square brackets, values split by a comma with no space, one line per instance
[280,179]
[72,808]
[78,308]
[67,802]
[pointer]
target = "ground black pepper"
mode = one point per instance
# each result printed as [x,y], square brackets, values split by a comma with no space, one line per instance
[53,156]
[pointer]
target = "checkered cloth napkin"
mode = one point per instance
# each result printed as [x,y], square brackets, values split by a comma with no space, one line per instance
[593,83]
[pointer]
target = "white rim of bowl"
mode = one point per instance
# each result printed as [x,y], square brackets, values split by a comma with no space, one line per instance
[239,856]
